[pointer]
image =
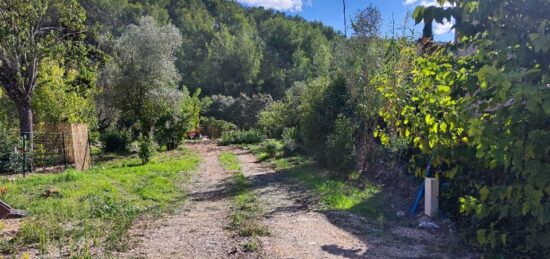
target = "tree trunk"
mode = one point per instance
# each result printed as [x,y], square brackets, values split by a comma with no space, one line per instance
[25,121]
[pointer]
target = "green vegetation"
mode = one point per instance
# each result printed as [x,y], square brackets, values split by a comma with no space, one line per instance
[229,162]
[265,150]
[145,151]
[242,137]
[477,110]
[352,194]
[215,128]
[9,161]
[31,35]
[481,119]
[246,215]
[81,210]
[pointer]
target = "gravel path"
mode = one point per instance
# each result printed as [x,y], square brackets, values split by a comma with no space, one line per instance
[301,229]
[298,227]
[199,229]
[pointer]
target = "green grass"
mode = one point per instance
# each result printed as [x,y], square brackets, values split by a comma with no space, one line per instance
[351,193]
[229,161]
[268,149]
[246,214]
[338,193]
[95,208]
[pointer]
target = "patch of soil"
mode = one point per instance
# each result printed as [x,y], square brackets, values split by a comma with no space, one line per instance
[9,228]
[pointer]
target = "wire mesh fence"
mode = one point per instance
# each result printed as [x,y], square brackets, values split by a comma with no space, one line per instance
[47,150]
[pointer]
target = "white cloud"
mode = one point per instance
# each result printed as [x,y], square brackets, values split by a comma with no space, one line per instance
[425,3]
[439,29]
[410,2]
[279,5]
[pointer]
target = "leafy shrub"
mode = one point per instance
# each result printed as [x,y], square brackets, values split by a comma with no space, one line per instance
[272,119]
[169,131]
[214,128]
[145,149]
[340,148]
[283,114]
[324,101]
[172,126]
[116,141]
[192,108]
[271,147]
[10,159]
[290,141]
[242,137]
[482,120]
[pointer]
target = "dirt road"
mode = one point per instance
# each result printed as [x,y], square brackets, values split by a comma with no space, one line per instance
[199,229]
[298,227]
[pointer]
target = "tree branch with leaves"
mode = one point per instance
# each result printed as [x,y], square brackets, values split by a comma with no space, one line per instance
[31,30]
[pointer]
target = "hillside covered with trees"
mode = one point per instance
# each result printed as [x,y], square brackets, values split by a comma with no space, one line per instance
[147,75]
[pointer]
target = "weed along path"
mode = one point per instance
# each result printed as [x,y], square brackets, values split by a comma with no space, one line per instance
[199,228]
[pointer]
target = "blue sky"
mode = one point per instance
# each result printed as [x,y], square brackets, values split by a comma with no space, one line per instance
[330,12]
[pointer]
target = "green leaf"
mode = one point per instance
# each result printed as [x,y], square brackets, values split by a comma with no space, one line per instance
[546,107]
[444,89]
[443,127]
[429,120]
[484,193]
[525,208]
[481,236]
[418,14]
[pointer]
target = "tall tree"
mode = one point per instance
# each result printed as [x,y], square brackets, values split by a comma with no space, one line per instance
[366,23]
[31,30]
[143,74]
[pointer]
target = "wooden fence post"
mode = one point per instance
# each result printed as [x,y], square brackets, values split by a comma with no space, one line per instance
[431,197]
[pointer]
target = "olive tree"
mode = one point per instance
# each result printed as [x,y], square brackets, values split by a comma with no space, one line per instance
[142,72]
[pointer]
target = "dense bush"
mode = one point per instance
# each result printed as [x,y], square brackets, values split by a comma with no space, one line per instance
[272,119]
[340,145]
[242,137]
[114,140]
[271,147]
[169,131]
[318,117]
[185,116]
[146,149]
[10,158]
[482,119]
[290,140]
[214,128]
[324,100]
[284,113]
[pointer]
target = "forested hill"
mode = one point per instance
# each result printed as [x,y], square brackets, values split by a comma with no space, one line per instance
[229,49]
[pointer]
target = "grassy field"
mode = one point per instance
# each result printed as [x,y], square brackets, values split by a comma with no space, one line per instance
[245,217]
[80,211]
